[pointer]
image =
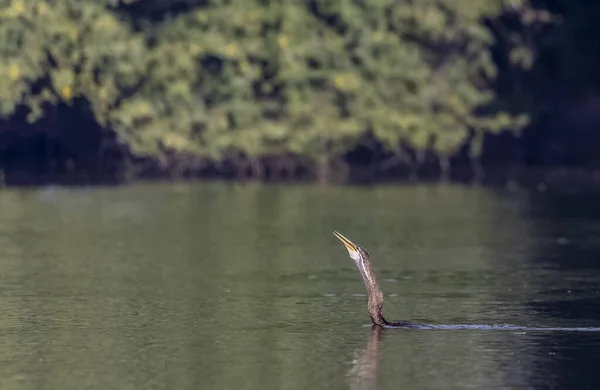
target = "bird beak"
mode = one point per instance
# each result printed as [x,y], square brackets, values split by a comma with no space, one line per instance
[352,247]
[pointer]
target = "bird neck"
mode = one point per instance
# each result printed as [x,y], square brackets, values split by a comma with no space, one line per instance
[375,303]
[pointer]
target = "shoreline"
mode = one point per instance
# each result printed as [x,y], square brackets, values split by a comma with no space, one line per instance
[558,179]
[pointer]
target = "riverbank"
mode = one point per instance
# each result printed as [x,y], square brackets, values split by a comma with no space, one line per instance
[556,179]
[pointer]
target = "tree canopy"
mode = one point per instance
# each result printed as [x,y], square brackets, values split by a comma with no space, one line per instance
[250,79]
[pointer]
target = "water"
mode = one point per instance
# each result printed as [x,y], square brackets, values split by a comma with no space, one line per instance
[245,287]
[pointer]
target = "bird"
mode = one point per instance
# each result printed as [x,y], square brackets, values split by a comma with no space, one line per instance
[362,259]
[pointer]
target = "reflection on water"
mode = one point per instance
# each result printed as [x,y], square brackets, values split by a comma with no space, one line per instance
[220,286]
[364,371]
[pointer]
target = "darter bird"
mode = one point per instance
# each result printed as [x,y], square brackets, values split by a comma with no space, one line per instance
[362,259]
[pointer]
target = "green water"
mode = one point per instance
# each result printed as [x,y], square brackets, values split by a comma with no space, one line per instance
[213,286]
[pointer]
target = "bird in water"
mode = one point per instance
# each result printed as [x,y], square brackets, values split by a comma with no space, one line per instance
[362,259]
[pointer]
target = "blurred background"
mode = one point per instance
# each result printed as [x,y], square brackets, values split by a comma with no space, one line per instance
[172,172]
[110,91]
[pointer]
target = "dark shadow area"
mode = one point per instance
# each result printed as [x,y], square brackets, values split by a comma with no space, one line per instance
[570,224]
[66,146]
[560,90]
[157,11]
[567,356]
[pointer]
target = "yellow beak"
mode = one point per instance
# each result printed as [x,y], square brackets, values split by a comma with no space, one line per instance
[349,244]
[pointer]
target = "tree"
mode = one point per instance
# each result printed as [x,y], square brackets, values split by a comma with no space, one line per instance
[245,80]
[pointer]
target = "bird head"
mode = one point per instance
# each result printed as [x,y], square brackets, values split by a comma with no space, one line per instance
[357,253]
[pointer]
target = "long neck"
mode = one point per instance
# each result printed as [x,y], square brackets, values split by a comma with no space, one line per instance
[374,293]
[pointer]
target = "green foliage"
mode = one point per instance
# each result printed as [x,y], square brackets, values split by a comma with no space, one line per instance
[61,50]
[260,78]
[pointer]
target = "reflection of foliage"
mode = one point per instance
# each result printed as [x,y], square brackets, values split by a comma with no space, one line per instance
[262,78]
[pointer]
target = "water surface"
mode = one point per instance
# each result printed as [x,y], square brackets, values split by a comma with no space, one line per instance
[187,286]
